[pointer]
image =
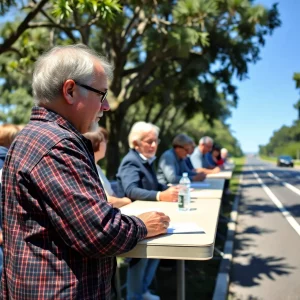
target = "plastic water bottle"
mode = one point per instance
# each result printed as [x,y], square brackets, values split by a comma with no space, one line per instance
[184,197]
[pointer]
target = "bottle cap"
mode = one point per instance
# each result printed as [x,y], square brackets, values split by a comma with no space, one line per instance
[184,174]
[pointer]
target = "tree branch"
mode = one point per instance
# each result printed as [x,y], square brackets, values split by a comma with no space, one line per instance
[12,49]
[22,27]
[49,25]
[141,28]
[132,71]
[166,105]
[149,113]
[67,31]
[130,24]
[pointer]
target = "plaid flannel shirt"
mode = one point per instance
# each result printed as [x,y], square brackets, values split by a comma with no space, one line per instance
[60,234]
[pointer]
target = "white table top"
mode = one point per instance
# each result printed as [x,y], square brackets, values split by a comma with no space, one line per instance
[224,174]
[209,188]
[188,246]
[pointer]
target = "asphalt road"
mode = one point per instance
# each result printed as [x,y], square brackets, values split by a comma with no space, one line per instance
[266,262]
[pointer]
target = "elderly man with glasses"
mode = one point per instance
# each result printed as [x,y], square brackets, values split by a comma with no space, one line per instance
[60,233]
[173,162]
[137,180]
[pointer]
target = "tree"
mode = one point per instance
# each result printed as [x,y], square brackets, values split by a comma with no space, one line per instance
[296,77]
[286,140]
[172,58]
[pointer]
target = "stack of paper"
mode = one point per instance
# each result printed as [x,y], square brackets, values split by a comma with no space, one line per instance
[184,227]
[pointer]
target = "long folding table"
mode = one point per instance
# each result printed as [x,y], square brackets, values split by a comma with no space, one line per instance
[184,246]
[224,174]
[209,188]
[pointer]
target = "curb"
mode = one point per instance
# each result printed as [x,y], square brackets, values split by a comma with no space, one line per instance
[223,278]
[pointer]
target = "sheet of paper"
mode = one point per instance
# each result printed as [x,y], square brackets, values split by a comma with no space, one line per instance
[202,193]
[199,185]
[184,227]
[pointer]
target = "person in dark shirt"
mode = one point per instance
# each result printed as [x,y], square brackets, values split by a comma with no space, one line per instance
[98,139]
[137,180]
[8,132]
[214,157]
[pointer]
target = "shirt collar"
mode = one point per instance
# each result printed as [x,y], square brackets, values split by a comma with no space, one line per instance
[144,158]
[175,155]
[45,114]
[201,154]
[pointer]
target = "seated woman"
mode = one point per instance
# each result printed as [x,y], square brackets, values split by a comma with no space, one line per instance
[99,140]
[214,157]
[137,180]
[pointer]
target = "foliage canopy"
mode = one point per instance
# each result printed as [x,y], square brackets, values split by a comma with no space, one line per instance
[175,61]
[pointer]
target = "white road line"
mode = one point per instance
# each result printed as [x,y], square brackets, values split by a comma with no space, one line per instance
[273,176]
[261,168]
[287,185]
[279,205]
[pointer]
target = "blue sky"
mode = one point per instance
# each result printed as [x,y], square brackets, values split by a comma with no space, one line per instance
[267,97]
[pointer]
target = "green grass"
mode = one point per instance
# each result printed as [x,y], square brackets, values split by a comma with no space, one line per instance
[200,275]
[234,185]
[268,158]
[234,182]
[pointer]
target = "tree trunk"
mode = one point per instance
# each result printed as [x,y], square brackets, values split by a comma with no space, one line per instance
[115,121]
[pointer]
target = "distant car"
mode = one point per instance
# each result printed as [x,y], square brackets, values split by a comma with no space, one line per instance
[285,161]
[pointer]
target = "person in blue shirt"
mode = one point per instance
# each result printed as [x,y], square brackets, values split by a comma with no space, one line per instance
[172,164]
[199,158]
[7,134]
[137,180]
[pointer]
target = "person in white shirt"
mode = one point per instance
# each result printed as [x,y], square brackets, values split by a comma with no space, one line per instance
[99,139]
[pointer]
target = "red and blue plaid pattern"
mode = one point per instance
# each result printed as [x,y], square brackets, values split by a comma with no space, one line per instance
[60,234]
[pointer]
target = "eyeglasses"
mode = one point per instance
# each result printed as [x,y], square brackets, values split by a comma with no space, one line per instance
[87,87]
[150,142]
[182,147]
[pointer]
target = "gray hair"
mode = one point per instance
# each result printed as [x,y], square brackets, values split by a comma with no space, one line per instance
[138,131]
[60,63]
[182,140]
[224,150]
[206,140]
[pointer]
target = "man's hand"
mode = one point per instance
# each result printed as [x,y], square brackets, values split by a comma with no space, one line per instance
[156,222]
[170,195]
[1,238]
[207,171]
[200,170]
[199,177]
[216,170]
[118,202]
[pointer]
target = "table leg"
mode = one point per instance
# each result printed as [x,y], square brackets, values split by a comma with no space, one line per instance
[180,280]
